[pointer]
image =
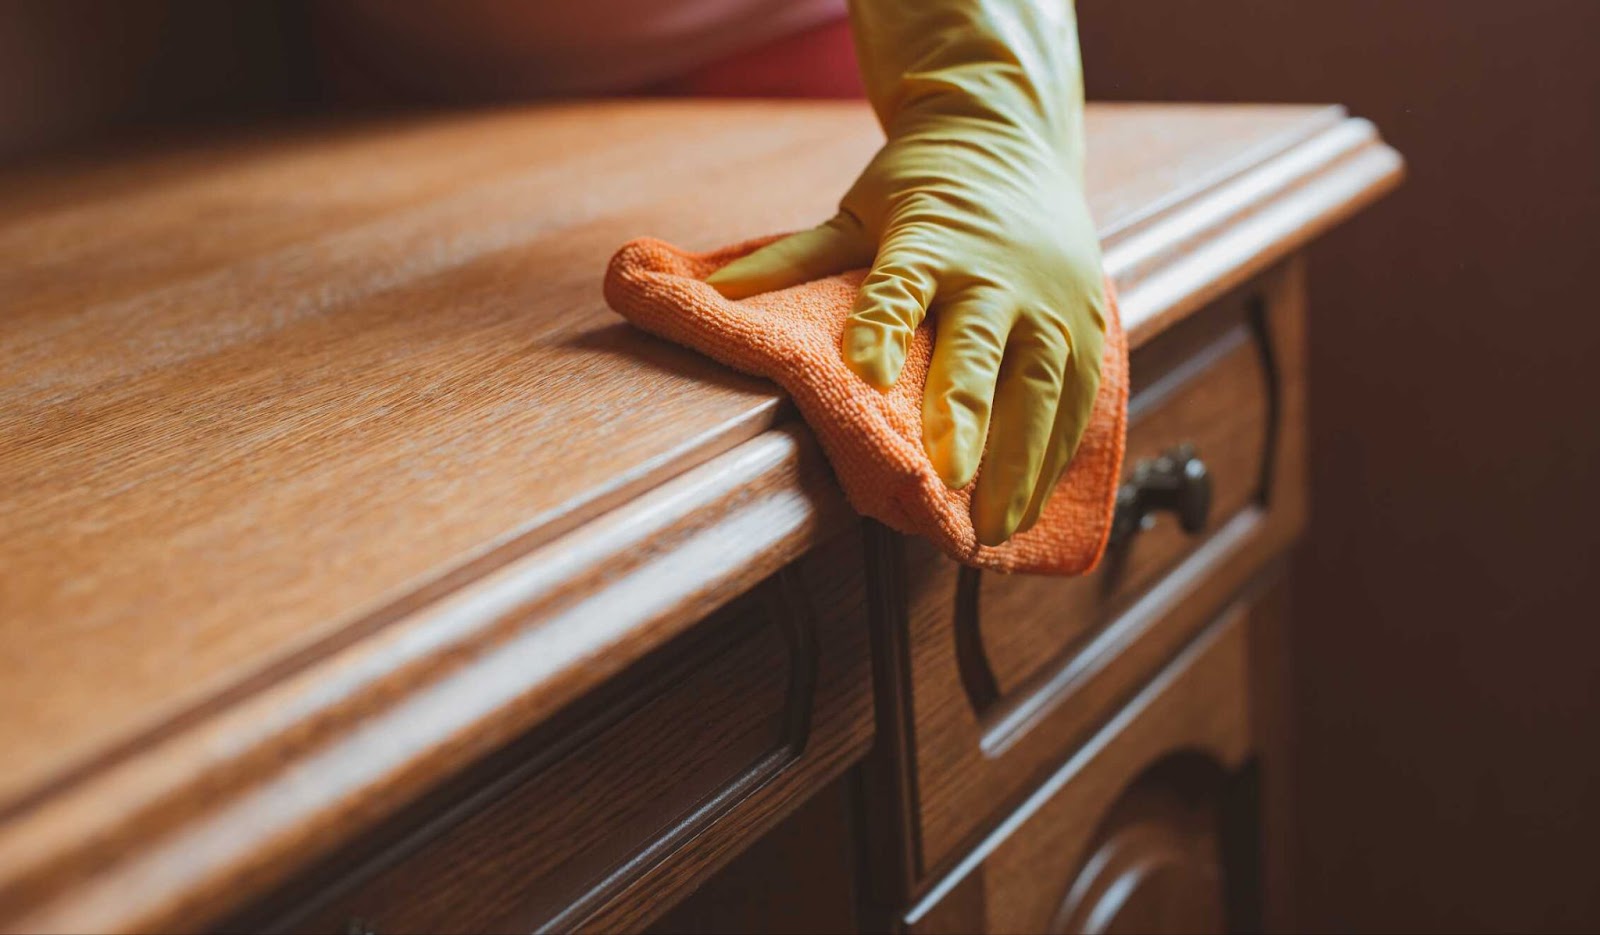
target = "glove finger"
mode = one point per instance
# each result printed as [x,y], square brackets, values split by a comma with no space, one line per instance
[1072,418]
[830,247]
[967,352]
[1025,405]
[893,301]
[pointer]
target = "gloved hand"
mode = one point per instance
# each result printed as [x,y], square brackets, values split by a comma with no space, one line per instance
[974,208]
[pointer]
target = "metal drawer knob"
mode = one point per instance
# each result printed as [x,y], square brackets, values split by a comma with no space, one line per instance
[1177,482]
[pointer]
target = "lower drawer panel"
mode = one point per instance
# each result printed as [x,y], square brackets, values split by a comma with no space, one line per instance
[1127,835]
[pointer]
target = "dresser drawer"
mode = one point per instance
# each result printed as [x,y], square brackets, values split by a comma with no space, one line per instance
[1004,676]
[607,816]
[1128,835]
[1205,388]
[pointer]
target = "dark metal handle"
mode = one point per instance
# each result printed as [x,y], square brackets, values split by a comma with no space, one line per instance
[1177,482]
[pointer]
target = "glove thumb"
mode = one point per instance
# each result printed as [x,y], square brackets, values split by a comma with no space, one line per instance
[831,247]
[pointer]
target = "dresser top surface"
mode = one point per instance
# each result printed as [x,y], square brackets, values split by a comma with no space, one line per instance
[264,391]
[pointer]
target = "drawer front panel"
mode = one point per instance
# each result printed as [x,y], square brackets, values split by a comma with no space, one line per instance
[1217,402]
[762,704]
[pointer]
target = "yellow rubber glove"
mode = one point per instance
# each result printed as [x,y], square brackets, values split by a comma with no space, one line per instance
[973,208]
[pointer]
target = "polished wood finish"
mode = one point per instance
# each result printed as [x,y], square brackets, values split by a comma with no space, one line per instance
[371,358]
[376,373]
[368,568]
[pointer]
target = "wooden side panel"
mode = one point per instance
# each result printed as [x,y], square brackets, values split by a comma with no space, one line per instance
[225,814]
[837,734]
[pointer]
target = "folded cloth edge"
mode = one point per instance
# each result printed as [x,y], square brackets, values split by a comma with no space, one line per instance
[870,436]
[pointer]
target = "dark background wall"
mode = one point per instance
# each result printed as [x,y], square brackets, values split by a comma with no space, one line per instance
[78,70]
[1447,656]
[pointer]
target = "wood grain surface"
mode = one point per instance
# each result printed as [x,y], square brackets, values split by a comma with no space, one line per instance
[270,401]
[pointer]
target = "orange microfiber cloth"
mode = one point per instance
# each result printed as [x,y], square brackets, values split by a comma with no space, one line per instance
[874,437]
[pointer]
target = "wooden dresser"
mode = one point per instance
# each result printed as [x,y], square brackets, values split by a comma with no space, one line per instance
[363,573]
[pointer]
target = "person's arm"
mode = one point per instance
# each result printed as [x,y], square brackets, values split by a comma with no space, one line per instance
[974,208]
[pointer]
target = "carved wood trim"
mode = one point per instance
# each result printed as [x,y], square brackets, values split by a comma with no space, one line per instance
[972,658]
[1168,818]
[892,834]
[1260,323]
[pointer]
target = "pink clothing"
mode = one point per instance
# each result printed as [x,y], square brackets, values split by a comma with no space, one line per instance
[819,62]
[515,48]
